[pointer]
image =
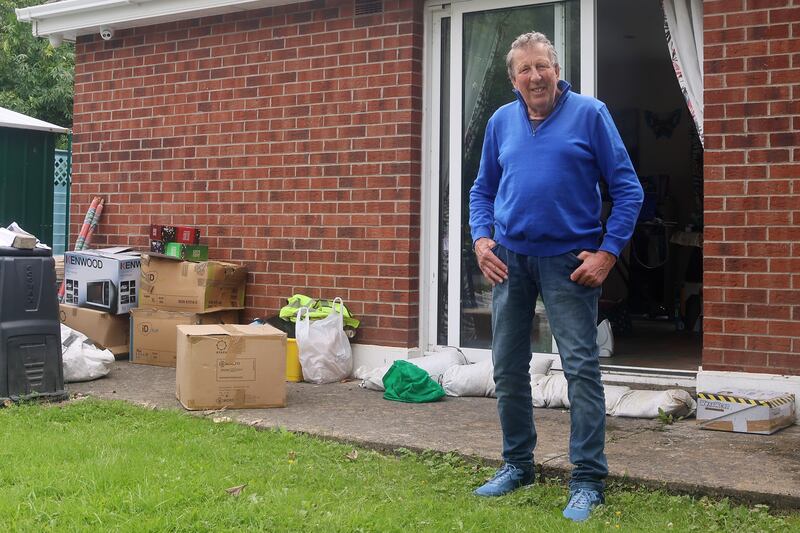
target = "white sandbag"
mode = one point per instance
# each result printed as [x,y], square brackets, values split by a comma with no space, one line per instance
[646,403]
[434,364]
[82,360]
[478,379]
[613,393]
[469,380]
[605,339]
[550,390]
[540,364]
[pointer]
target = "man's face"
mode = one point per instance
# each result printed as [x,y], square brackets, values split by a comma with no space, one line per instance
[536,78]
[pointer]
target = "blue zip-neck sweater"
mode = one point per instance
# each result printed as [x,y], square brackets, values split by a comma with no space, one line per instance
[539,190]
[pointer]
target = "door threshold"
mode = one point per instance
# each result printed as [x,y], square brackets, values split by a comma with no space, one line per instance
[660,377]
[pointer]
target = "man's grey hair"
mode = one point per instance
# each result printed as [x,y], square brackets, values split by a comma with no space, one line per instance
[524,41]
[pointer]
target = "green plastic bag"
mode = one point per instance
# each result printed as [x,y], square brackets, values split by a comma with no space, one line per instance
[317,309]
[405,382]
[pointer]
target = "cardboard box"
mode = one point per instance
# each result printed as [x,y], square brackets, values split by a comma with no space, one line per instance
[154,333]
[158,247]
[106,279]
[745,411]
[184,234]
[231,367]
[189,252]
[173,285]
[106,330]
[187,235]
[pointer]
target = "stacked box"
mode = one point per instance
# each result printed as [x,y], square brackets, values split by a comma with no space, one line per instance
[105,330]
[153,332]
[175,292]
[161,236]
[187,252]
[172,285]
[105,280]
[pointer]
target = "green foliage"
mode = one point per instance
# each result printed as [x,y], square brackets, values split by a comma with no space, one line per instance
[109,466]
[35,78]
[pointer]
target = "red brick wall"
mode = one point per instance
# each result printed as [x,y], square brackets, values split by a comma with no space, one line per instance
[290,136]
[752,186]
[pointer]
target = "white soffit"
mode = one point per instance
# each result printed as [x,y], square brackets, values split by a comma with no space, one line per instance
[69,19]
[12,119]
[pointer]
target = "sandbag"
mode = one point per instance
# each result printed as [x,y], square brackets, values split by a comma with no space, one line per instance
[478,379]
[646,403]
[613,393]
[469,380]
[434,365]
[82,360]
[549,390]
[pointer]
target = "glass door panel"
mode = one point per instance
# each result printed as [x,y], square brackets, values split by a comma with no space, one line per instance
[471,83]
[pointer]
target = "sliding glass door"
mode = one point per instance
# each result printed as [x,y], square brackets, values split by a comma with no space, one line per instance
[466,81]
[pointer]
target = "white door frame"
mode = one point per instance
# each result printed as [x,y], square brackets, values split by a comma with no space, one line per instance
[434,12]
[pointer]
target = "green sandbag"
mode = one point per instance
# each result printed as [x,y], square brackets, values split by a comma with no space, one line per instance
[406,382]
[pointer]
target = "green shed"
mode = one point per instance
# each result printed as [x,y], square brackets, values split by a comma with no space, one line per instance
[27,166]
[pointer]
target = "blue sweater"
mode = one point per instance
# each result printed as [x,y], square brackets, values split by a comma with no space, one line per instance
[539,189]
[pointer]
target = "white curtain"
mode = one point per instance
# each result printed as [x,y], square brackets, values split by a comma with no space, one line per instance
[683,25]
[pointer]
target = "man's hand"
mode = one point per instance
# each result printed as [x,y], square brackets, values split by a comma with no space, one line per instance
[594,269]
[494,270]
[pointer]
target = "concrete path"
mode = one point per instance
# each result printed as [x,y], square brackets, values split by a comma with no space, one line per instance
[679,457]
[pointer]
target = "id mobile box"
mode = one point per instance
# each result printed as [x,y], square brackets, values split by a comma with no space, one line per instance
[106,279]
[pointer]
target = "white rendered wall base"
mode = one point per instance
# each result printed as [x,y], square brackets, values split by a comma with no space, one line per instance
[714,381]
[371,356]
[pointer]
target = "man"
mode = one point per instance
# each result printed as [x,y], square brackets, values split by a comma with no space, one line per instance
[536,230]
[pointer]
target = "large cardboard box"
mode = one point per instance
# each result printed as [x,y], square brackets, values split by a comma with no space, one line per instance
[106,330]
[745,411]
[105,279]
[173,285]
[154,333]
[231,366]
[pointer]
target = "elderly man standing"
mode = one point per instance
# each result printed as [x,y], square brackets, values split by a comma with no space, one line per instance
[536,230]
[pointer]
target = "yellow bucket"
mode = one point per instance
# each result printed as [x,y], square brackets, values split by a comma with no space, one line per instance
[293,370]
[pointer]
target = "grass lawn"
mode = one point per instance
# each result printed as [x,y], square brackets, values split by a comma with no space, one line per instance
[109,466]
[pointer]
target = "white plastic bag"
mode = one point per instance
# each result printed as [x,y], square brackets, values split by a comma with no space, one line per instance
[82,360]
[323,347]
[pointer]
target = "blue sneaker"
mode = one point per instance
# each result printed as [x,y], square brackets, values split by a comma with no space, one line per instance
[505,480]
[581,502]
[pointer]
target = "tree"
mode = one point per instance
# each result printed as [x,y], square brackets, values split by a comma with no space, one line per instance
[35,78]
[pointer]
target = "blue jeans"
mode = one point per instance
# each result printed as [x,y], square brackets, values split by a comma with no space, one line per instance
[572,313]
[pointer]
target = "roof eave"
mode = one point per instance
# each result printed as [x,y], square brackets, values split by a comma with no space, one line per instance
[69,19]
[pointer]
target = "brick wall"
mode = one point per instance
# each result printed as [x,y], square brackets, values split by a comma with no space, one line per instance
[290,135]
[752,186]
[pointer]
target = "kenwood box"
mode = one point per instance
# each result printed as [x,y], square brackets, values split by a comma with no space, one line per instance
[105,280]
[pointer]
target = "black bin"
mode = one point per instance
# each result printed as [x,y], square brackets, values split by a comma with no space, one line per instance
[30,332]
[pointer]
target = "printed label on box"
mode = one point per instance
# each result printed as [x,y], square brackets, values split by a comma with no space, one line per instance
[241,369]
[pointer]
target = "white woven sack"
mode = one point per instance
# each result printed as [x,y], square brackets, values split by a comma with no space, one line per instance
[469,380]
[550,391]
[646,403]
